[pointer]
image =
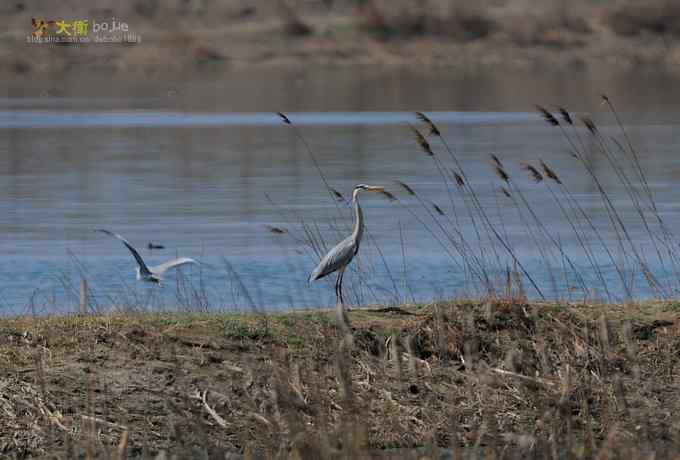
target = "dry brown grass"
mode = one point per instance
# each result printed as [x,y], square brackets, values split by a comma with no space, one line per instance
[659,17]
[511,378]
[464,21]
[556,29]
[215,37]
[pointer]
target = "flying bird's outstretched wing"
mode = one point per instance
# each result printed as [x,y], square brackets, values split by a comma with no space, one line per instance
[162,268]
[338,257]
[144,270]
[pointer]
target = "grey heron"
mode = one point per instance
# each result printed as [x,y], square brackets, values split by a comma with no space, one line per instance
[342,254]
[151,274]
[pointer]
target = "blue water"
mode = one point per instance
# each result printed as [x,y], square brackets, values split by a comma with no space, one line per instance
[207,184]
[12,119]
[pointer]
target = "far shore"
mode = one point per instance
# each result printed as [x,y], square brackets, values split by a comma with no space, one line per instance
[214,39]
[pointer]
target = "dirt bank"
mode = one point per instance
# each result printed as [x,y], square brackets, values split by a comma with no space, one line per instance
[187,38]
[504,376]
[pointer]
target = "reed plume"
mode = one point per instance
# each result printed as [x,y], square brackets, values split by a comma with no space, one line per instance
[434,131]
[590,124]
[459,179]
[565,115]
[500,172]
[496,160]
[550,173]
[498,168]
[389,195]
[422,142]
[438,209]
[337,194]
[534,174]
[547,116]
[406,187]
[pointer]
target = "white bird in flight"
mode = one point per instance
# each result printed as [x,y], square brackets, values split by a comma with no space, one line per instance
[151,274]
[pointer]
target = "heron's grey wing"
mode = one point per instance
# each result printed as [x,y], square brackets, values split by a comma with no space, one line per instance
[338,257]
[162,268]
[142,265]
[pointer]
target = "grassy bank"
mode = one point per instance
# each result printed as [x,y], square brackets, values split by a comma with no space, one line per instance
[508,378]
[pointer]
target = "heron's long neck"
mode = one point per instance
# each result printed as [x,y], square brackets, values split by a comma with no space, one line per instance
[358,230]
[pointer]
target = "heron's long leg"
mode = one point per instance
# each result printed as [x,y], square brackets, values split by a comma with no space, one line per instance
[338,296]
[340,277]
[343,320]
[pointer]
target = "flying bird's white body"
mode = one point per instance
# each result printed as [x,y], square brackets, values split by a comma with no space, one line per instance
[157,271]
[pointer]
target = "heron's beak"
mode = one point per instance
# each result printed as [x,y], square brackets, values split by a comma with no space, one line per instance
[375,189]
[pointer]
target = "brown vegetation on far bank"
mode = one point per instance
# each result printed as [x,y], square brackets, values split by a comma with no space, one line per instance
[192,36]
[506,378]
